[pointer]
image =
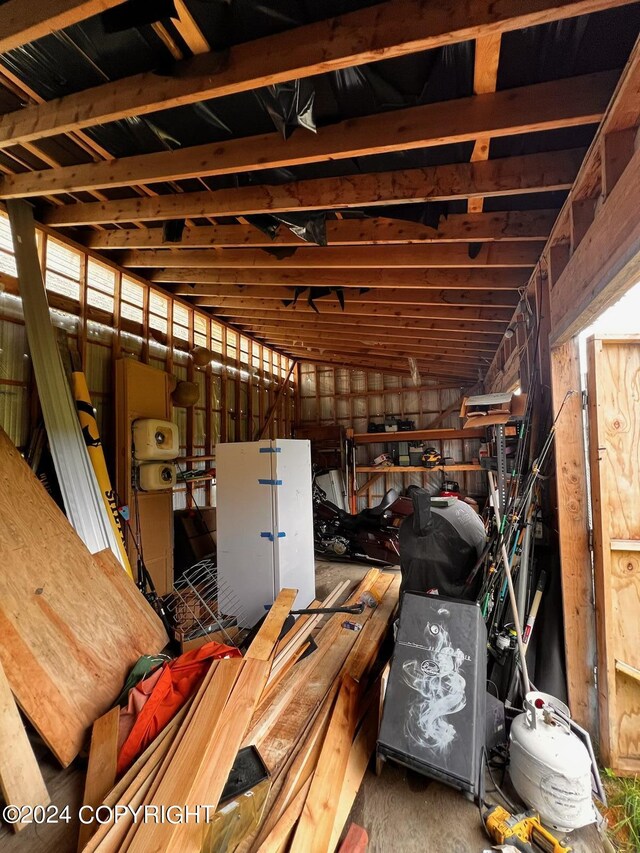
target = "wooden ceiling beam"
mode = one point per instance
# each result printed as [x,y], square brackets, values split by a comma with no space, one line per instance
[331,307]
[370,342]
[394,322]
[523,255]
[408,337]
[485,79]
[481,342]
[382,295]
[23,22]
[203,282]
[545,172]
[458,228]
[384,362]
[568,102]
[384,31]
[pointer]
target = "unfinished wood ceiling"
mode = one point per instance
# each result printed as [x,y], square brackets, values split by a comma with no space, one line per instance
[357,190]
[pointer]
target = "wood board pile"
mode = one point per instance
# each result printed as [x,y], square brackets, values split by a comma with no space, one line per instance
[71,627]
[314,721]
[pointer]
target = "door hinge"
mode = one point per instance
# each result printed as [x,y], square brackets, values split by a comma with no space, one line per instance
[590,539]
[585,400]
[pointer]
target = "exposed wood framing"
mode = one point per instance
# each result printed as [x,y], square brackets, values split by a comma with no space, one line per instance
[573,527]
[382,32]
[543,106]
[469,279]
[360,257]
[462,228]
[507,176]
[22,22]
[503,298]
[485,76]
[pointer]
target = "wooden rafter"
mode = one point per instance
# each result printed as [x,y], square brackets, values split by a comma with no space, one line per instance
[284,336]
[484,343]
[371,342]
[542,106]
[375,295]
[485,76]
[345,257]
[385,363]
[386,30]
[506,176]
[406,321]
[330,307]
[456,228]
[202,281]
[22,22]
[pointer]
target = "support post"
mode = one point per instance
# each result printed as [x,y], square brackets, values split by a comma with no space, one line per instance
[573,537]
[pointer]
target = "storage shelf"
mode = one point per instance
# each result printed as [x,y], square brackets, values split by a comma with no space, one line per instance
[380,469]
[418,435]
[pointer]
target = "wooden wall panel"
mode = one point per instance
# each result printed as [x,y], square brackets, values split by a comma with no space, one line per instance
[614,423]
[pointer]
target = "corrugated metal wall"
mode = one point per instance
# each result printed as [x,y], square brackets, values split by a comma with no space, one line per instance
[349,397]
[107,314]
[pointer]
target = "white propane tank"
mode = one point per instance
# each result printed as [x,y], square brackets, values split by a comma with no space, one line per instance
[550,767]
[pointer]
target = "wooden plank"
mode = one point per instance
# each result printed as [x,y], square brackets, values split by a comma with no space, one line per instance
[359,757]
[21,22]
[313,833]
[627,669]
[21,782]
[277,840]
[359,257]
[70,627]
[605,264]
[475,343]
[298,772]
[443,330]
[507,176]
[485,77]
[264,643]
[330,306]
[202,281]
[369,35]
[573,523]
[199,771]
[396,469]
[418,435]
[614,437]
[369,343]
[457,227]
[568,102]
[101,769]
[624,544]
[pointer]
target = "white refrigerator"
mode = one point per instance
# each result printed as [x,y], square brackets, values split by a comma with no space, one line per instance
[264,525]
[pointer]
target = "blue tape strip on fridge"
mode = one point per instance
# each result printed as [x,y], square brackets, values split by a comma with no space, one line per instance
[267,535]
[270,482]
[270,450]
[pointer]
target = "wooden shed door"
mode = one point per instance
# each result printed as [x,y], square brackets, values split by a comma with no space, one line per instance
[613,385]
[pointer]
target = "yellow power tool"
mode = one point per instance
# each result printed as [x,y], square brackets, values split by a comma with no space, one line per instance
[522,831]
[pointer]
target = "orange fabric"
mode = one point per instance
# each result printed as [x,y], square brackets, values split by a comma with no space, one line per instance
[158,697]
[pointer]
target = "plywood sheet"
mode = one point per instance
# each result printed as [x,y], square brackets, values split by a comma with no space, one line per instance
[614,422]
[71,625]
[21,781]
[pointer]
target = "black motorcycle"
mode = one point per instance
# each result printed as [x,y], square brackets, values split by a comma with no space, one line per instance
[371,536]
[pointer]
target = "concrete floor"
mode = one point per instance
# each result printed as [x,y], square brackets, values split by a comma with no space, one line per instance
[404,812]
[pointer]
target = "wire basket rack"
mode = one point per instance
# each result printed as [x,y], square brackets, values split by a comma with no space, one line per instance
[194,605]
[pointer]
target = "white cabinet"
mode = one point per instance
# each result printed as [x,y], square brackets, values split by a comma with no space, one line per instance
[264,525]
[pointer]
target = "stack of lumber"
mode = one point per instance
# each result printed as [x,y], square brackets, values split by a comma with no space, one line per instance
[72,625]
[314,720]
